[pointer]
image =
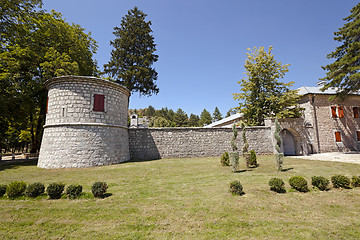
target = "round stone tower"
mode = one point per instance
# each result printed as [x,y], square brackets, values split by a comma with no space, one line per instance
[86,123]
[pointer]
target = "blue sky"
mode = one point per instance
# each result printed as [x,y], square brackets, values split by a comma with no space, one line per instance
[202,44]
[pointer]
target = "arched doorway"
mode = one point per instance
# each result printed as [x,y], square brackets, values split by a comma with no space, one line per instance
[288,143]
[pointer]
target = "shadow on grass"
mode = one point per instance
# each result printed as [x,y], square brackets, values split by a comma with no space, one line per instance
[286,169]
[244,170]
[143,160]
[13,164]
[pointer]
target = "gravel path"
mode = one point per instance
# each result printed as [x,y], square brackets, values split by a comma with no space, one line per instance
[350,157]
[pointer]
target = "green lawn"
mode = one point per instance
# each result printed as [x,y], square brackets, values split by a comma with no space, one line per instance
[184,199]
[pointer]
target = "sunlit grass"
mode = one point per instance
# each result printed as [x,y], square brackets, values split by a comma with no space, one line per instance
[183,199]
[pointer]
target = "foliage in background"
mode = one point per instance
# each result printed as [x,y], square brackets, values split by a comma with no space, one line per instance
[134,54]
[36,46]
[262,94]
[205,118]
[217,114]
[344,72]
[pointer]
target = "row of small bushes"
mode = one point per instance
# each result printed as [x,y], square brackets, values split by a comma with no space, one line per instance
[300,184]
[225,159]
[54,190]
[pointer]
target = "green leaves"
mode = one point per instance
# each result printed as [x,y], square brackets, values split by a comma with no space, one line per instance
[133,54]
[344,72]
[262,94]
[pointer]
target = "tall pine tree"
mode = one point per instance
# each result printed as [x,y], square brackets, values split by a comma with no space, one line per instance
[344,72]
[134,54]
[217,114]
[205,118]
[263,95]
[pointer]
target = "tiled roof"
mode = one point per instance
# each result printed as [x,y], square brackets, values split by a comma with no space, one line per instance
[316,90]
[225,120]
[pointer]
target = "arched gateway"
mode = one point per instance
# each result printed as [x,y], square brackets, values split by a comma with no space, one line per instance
[288,146]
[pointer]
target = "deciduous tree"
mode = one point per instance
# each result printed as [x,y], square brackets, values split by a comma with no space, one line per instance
[262,94]
[43,46]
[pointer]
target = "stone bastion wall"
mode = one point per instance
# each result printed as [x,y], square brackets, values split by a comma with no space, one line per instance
[155,143]
[86,126]
[86,123]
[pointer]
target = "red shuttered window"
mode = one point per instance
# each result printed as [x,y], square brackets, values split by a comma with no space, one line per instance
[358,135]
[341,111]
[337,137]
[333,112]
[99,103]
[356,112]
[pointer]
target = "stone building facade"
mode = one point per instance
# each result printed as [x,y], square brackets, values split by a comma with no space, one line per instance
[332,124]
[86,123]
[86,126]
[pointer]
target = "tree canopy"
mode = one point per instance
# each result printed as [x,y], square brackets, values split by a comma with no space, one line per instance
[205,118]
[344,72]
[262,94]
[217,114]
[134,54]
[36,46]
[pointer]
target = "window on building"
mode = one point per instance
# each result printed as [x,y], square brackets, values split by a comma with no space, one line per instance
[358,135]
[337,137]
[341,111]
[333,112]
[99,101]
[356,112]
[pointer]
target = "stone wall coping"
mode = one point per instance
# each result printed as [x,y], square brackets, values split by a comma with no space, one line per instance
[197,128]
[84,124]
[88,79]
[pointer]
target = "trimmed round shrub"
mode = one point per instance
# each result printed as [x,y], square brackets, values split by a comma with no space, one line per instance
[299,183]
[225,159]
[2,190]
[355,181]
[236,188]
[54,190]
[34,189]
[73,191]
[277,185]
[15,189]
[340,181]
[98,189]
[320,182]
[253,161]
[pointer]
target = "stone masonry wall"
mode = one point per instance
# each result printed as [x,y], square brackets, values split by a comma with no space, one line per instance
[77,136]
[155,143]
[347,126]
